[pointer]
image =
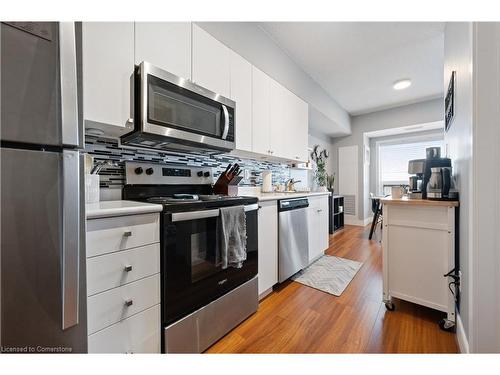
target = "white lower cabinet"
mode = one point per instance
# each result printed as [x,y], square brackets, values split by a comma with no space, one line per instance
[418,248]
[268,246]
[137,334]
[112,306]
[318,226]
[123,284]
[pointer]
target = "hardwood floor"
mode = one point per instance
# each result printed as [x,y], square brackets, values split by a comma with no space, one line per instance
[299,319]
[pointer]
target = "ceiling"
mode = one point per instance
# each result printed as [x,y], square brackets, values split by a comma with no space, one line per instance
[357,62]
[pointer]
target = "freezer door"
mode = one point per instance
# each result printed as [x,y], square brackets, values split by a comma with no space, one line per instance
[40,84]
[43,304]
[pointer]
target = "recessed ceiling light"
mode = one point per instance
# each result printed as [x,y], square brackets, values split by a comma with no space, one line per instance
[402,84]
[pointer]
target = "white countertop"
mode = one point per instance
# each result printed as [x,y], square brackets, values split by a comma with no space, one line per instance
[275,195]
[120,208]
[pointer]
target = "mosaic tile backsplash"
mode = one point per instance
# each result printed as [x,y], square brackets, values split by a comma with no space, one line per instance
[114,177]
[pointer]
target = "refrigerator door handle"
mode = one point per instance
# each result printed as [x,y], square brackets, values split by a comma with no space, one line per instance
[73,212]
[71,126]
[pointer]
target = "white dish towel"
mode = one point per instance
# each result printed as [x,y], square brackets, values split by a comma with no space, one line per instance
[233,237]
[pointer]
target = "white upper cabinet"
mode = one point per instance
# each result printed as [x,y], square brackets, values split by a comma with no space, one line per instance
[241,93]
[108,63]
[211,62]
[299,127]
[279,136]
[260,112]
[166,45]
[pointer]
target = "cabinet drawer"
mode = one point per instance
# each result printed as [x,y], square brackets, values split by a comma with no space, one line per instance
[123,232]
[137,334]
[107,308]
[113,270]
[320,202]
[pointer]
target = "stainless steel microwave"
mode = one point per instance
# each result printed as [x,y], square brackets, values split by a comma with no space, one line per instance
[173,113]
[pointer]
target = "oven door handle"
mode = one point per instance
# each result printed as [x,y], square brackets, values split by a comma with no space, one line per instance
[195,215]
[226,122]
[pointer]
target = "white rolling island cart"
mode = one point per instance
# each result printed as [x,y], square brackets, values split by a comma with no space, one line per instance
[418,254]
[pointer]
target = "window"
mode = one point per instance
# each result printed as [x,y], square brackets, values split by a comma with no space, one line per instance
[393,157]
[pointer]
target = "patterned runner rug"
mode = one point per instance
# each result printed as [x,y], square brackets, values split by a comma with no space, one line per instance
[329,274]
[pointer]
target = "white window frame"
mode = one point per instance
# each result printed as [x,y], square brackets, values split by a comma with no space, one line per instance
[400,140]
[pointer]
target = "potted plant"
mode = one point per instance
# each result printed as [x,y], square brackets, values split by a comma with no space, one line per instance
[330,181]
[319,157]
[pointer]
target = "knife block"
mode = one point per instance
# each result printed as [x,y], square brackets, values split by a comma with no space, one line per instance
[221,185]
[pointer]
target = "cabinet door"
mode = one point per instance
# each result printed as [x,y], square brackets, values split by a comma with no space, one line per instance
[211,62]
[268,245]
[241,93]
[166,45]
[279,120]
[108,63]
[300,128]
[323,217]
[318,226]
[260,112]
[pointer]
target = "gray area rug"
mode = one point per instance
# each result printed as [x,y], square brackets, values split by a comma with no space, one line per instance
[329,274]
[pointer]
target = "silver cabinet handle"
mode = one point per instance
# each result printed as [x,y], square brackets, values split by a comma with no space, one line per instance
[226,121]
[129,303]
[320,210]
[73,215]
[128,268]
[127,234]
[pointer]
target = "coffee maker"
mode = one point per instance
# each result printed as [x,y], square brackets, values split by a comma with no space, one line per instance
[416,167]
[442,188]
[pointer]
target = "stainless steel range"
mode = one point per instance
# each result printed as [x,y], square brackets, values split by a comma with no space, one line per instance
[201,301]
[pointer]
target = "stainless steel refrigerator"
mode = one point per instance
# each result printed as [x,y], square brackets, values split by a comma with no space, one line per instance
[43,292]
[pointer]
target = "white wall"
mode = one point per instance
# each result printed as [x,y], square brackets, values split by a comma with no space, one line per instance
[458,56]
[419,113]
[473,51]
[251,42]
[485,301]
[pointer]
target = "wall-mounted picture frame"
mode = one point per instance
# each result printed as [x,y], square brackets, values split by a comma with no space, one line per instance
[449,102]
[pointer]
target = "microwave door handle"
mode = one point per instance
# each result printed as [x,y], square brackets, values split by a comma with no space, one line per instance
[226,121]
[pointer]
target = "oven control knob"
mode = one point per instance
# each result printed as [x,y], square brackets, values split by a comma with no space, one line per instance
[206,174]
[138,170]
[200,174]
[149,171]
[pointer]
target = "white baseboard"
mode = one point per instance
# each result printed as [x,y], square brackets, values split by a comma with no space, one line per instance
[353,220]
[461,337]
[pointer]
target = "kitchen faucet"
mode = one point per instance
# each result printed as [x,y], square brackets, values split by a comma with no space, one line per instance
[290,184]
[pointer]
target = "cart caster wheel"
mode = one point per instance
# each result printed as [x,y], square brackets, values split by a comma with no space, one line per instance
[390,306]
[446,325]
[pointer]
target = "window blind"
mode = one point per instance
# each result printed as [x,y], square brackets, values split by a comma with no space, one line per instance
[393,160]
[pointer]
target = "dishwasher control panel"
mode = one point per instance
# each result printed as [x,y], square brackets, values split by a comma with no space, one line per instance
[292,204]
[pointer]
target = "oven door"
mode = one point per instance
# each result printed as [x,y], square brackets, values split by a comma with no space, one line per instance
[190,276]
[182,111]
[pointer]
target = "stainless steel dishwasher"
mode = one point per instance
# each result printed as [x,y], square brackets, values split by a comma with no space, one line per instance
[293,237]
